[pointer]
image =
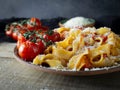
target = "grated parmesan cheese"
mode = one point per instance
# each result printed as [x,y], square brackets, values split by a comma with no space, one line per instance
[78,22]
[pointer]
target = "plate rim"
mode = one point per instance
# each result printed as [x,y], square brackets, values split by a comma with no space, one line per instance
[65,72]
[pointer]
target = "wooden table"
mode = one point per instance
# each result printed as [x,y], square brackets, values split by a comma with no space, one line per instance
[16,76]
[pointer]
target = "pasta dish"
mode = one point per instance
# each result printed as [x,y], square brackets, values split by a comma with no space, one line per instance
[81,48]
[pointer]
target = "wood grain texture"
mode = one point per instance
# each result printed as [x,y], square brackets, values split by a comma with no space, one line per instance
[16,76]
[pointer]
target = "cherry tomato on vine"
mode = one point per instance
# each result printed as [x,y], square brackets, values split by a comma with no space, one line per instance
[29,50]
[15,35]
[21,39]
[33,24]
[8,33]
[9,30]
[52,36]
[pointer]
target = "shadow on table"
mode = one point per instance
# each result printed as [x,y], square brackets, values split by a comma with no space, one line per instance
[109,81]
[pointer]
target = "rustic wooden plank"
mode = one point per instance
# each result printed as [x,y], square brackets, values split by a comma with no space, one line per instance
[6,49]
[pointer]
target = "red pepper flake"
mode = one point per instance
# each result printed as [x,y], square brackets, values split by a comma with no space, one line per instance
[104,38]
[104,55]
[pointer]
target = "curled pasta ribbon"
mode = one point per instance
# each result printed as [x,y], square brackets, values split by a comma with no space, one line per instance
[78,61]
[62,53]
[63,32]
[77,43]
[47,60]
[101,61]
[100,49]
[41,58]
[103,30]
[97,55]
[54,63]
[59,53]
[99,40]
[118,43]
[69,40]
[62,29]
[65,43]
[114,41]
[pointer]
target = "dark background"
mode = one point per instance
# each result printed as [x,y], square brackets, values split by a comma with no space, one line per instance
[62,8]
[105,12]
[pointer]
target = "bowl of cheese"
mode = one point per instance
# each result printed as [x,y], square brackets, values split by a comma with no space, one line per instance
[77,22]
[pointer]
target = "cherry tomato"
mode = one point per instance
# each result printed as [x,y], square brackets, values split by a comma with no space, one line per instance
[41,45]
[15,35]
[22,31]
[9,33]
[9,30]
[44,28]
[18,26]
[28,50]
[24,26]
[21,39]
[34,24]
[17,29]
[13,30]
[52,36]
[36,21]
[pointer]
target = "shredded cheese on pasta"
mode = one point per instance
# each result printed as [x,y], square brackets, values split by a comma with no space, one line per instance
[81,49]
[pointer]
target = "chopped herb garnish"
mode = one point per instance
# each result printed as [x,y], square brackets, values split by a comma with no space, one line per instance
[23,22]
[63,21]
[7,27]
[15,30]
[33,39]
[41,37]
[27,35]
[49,43]
[40,31]
[50,32]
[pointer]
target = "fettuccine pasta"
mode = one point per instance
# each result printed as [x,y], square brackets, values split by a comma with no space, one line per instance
[82,49]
